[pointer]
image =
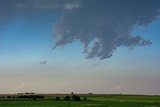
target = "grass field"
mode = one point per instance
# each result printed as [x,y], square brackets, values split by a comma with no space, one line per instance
[93,101]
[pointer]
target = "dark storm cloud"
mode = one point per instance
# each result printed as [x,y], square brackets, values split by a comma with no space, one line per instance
[101,25]
[109,23]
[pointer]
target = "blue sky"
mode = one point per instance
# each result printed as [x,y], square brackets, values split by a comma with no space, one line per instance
[28,39]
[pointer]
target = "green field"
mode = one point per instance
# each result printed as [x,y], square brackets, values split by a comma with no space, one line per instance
[92,101]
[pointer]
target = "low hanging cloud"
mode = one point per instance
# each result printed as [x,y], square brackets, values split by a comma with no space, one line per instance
[104,25]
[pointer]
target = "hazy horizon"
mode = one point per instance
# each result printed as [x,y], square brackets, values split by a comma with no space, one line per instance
[101,46]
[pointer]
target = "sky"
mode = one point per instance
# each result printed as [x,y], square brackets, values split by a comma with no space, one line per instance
[82,46]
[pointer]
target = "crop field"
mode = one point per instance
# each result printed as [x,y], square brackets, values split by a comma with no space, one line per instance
[86,101]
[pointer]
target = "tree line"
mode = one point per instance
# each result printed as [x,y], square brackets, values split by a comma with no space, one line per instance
[71,97]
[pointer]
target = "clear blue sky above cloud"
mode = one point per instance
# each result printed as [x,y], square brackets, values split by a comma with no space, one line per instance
[29,31]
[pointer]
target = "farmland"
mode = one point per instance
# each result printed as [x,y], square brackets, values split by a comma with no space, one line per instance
[94,100]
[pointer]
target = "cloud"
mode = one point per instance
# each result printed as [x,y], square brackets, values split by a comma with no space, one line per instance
[43,62]
[40,4]
[100,25]
[17,5]
[107,23]
[10,8]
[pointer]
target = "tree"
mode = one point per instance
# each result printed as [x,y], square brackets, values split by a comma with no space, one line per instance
[34,98]
[57,98]
[85,99]
[76,98]
[67,98]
